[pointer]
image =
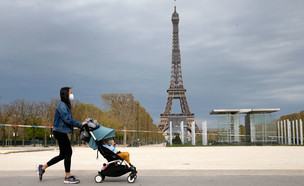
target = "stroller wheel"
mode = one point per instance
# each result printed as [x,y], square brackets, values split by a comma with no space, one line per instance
[131,178]
[99,178]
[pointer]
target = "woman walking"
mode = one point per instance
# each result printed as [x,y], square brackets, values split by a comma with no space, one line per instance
[63,125]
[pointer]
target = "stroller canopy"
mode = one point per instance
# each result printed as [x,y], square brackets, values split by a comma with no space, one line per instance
[101,133]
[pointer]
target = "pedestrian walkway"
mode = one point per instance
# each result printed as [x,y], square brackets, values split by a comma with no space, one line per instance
[169,158]
[159,165]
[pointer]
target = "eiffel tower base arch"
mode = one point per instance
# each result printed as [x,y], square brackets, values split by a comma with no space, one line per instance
[176,120]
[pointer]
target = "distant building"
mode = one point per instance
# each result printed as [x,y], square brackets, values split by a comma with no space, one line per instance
[259,123]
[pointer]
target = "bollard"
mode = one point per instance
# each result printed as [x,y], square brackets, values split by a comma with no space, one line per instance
[204,133]
[289,131]
[297,132]
[301,132]
[193,132]
[170,140]
[182,132]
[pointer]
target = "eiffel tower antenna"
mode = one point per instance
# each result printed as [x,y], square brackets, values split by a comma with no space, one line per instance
[176,89]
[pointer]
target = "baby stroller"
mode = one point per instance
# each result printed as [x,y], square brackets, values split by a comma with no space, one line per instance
[116,165]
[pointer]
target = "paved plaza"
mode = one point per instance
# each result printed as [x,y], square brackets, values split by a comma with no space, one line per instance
[159,165]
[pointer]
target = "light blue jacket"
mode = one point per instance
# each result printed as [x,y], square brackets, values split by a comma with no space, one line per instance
[111,147]
[64,121]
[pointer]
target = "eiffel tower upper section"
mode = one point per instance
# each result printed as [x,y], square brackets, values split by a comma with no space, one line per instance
[176,81]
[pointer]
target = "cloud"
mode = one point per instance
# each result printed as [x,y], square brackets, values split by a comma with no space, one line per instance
[235,54]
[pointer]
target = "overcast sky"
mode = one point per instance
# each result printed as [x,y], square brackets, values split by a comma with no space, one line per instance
[235,53]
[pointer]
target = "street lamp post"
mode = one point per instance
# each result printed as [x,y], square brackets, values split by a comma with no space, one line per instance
[137,118]
[147,129]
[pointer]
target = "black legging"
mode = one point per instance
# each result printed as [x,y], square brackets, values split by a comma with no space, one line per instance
[65,151]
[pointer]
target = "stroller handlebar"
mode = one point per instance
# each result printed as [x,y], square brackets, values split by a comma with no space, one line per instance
[86,127]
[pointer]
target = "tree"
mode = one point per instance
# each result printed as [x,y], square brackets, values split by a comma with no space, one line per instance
[122,112]
[127,111]
[26,113]
[35,119]
[177,140]
[81,111]
[6,113]
[22,114]
[47,111]
[123,107]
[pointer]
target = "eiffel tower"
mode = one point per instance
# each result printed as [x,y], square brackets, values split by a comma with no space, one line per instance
[176,90]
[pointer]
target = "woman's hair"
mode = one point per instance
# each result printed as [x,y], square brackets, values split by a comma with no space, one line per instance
[64,96]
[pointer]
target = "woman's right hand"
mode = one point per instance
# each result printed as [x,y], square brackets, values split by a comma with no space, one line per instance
[84,123]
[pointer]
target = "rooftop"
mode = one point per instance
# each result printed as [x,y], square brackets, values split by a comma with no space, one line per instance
[243,111]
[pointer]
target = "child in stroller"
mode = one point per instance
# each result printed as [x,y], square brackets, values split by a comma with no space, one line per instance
[112,147]
[116,165]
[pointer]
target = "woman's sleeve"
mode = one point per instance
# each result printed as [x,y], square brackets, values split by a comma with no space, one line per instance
[63,110]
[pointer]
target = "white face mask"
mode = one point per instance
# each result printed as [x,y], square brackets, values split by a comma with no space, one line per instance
[71,97]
